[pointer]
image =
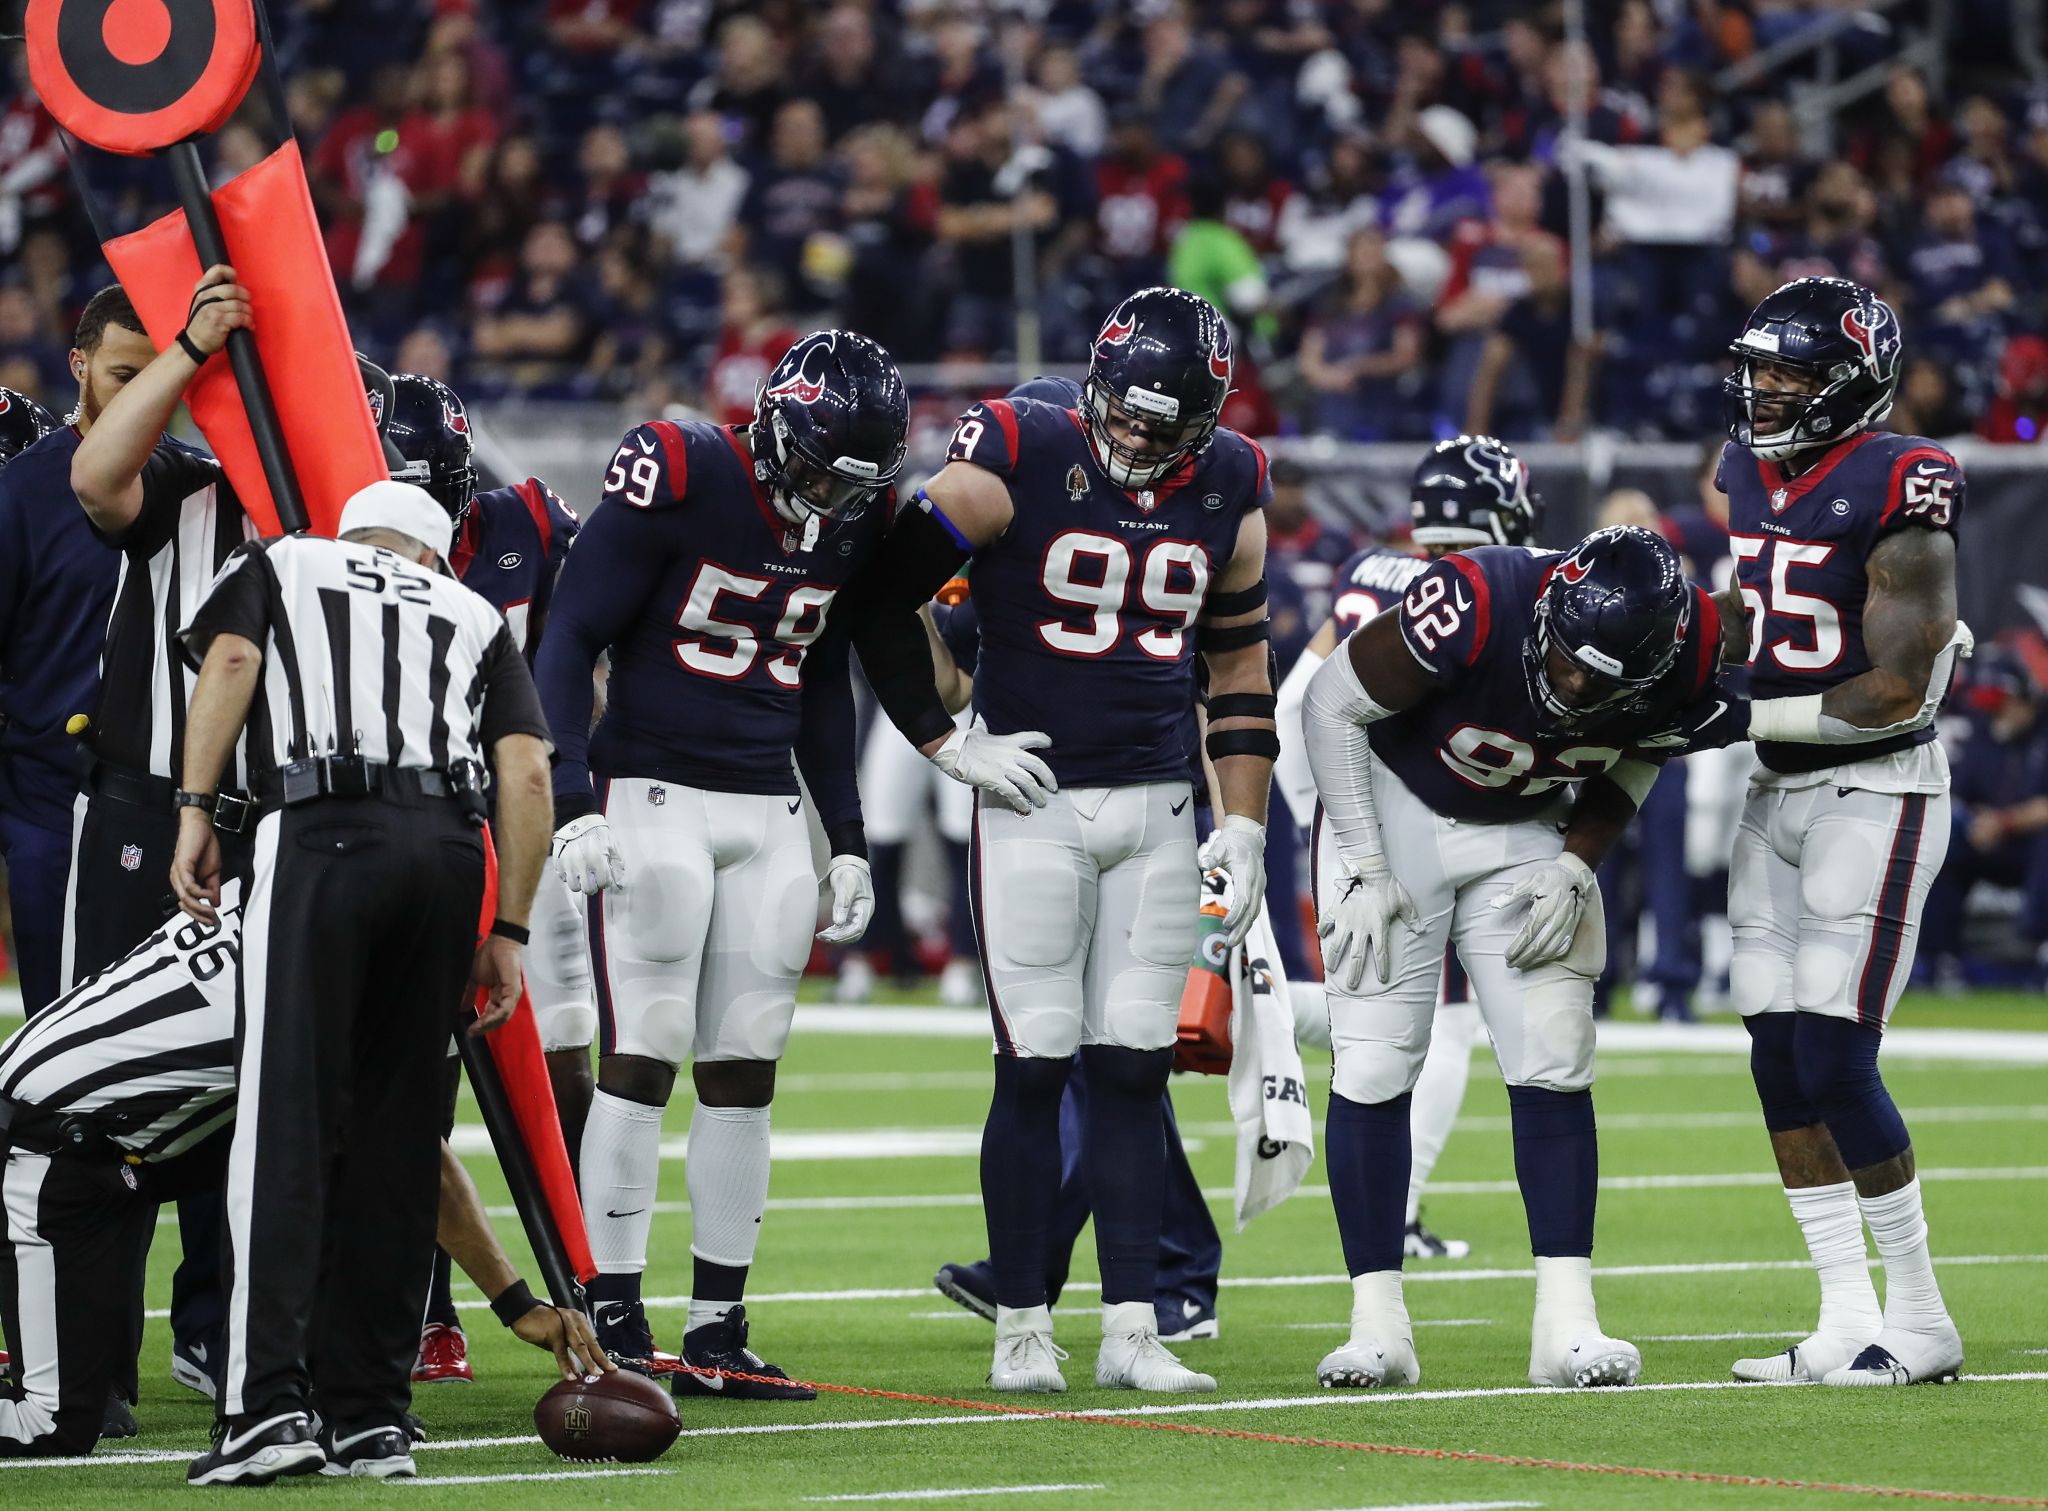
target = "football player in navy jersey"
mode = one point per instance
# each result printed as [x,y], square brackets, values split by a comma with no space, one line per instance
[1844,543]
[1475,753]
[708,572]
[509,546]
[1470,490]
[1110,543]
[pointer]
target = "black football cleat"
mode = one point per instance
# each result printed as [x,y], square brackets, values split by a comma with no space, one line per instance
[119,1421]
[622,1332]
[970,1285]
[375,1453]
[259,1452]
[720,1349]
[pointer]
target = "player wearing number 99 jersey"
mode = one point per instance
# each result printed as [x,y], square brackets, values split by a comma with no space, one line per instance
[1115,532]
[1844,540]
[1447,738]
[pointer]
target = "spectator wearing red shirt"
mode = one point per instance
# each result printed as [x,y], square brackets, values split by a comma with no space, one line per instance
[592,26]
[363,144]
[1254,196]
[751,339]
[2018,414]
[1903,151]
[1141,197]
[447,136]
[33,184]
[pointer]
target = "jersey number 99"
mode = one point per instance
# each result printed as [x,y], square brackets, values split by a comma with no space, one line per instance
[1093,572]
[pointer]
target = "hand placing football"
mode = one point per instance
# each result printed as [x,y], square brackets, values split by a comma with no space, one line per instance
[621,1417]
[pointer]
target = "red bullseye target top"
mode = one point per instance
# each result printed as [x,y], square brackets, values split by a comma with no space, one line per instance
[135,76]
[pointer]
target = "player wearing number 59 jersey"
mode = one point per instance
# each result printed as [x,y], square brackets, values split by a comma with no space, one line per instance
[708,572]
[1472,753]
[1844,540]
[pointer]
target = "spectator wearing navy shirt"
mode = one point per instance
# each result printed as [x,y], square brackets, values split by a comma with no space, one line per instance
[1366,338]
[1960,271]
[793,199]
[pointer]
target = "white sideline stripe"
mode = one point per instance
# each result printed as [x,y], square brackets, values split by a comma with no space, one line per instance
[1164,1408]
[2012,1046]
[804,1144]
[1324,1327]
[428,1482]
[1267,1282]
[961,1494]
[1449,1506]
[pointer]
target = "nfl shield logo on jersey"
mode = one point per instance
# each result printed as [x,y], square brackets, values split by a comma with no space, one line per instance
[656,796]
[1778,498]
[131,857]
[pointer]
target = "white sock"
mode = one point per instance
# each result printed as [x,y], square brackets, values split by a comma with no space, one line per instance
[1439,1091]
[1912,1300]
[620,1162]
[1378,1309]
[1120,1317]
[1564,1295]
[727,1171]
[1833,1227]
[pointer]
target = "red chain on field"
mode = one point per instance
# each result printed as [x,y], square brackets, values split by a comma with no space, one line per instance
[1393,1450]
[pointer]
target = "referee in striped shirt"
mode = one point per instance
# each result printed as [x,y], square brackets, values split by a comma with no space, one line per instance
[373,687]
[112,1101]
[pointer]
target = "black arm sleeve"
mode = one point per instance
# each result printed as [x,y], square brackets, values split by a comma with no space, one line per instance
[511,706]
[825,743]
[879,608]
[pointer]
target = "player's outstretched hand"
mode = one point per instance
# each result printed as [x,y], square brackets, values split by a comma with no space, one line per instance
[1557,900]
[1000,765]
[587,857]
[568,1336]
[1237,848]
[1358,925]
[853,899]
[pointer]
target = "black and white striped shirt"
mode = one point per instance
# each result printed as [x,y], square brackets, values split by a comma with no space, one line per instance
[190,524]
[367,654]
[146,1048]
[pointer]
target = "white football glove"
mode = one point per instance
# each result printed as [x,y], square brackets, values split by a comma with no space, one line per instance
[853,899]
[1359,923]
[587,857]
[1237,848]
[1000,765]
[1557,897]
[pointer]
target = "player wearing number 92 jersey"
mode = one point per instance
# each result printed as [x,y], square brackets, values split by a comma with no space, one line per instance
[1472,751]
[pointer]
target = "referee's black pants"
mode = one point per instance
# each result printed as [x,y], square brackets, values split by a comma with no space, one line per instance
[71,1252]
[356,944]
[119,894]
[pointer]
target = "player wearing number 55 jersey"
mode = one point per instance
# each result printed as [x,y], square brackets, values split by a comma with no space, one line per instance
[1448,738]
[1113,536]
[708,571]
[1844,540]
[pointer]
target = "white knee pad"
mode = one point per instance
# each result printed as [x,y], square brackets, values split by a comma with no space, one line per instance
[1379,1048]
[558,970]
[1821,979]
[1557,1035]
[1758,979]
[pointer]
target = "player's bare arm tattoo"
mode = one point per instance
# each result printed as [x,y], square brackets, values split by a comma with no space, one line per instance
[1908,615]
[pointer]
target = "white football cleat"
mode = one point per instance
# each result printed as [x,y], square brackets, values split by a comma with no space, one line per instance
[1133,1358]
[1585,1361]
[1805,1362]
[1898,1357]
[1368,1363]
[1026,1357]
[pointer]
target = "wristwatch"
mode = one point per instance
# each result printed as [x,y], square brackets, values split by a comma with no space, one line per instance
[183,798]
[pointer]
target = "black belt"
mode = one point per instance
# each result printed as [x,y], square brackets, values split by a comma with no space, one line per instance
[358,777]
[36,1130]
[233,813]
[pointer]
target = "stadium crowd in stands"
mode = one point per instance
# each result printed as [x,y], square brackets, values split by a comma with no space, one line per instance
[625,199]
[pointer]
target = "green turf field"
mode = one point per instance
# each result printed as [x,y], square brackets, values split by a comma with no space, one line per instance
[1693,1232]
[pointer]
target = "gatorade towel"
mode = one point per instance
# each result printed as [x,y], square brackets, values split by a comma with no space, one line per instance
[273,238]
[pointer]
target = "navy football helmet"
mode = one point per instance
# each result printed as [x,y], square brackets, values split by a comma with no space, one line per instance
[23,422]
[1473,491]
[831,427]
[1843,338]
[1617,606]
[1161,362]
[426,420]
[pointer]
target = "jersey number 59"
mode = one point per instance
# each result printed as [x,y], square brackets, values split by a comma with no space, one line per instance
[728,648]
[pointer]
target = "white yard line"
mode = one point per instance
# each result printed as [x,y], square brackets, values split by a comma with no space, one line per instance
[1324,1398]
[952,1495]
[1326,1327]
[1448,1506]
[429,1481]
[1707,1337]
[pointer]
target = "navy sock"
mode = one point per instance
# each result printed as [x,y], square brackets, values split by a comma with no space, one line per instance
[717,1282]
[614,1288]
[440,1298]
[1367,1150]
[1123,1151]
[885,936]
[1020,1173]
[1557,1163]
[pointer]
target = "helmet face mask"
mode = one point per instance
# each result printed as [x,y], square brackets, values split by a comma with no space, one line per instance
[830,430]
[1157,378]
[1840,339]
[428,423]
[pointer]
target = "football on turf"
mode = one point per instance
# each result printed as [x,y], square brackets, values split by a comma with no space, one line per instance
[621,1417]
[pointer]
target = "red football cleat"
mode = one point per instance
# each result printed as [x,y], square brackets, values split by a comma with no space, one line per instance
[444,1357]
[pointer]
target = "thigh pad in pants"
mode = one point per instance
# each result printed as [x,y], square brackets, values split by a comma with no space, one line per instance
[1148,897]
[1035,889]
[558,969]
[763,910]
